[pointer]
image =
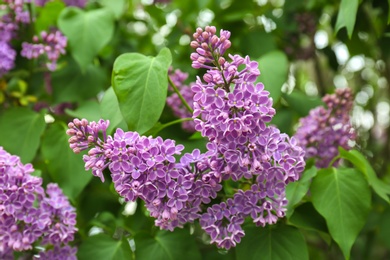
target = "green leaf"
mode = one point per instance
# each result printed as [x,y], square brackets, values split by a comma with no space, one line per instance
[140,83]
[273,67]
[21,130]
[343,198]
[346,16]
[48,15]
[273,243]
[166,245]
[305,216]
[117,7]
[360,162]
[295,191]
[109,109]
[87,32]
[301,103]
[388,12]
[88,110]
[384,228]
[65,167]
[71,85]
[103,247]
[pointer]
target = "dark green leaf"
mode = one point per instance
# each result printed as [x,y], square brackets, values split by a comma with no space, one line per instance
[109,109]
[301,103]
[21,130]
[87,32]
[273,68]
[273,243]
[65,167]
[103,247]
[347,15]
[305,216]
[71,85]
[295,191]
[140,83]
[166,245]
[343,198]
[360,162]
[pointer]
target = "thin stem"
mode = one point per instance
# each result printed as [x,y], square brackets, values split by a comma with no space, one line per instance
[334,160]
[177,121]
[180,95]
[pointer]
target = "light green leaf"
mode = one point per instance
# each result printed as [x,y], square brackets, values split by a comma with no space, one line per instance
[295,191]
[88,110]
[103,247]
[118,7]
[87,32]
[65,167]
[140,84]
[109,109]
[273,67]
[47,15]
[343,198]
[272,243]
[346,16]
[357,159]
[21,130]
[166,245]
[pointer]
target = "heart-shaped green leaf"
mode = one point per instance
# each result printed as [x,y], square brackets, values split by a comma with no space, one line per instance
[87,32]
[103,247]
[21,131]
[343,198]
[65,167]
[360,162]
[166,245]
[140,84]
[273,67]
[272,243]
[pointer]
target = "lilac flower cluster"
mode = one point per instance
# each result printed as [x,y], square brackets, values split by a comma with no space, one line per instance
[146,168]
[9,24]
[232,111]
[28,215]
[173,101]
[325,129]
[52,45]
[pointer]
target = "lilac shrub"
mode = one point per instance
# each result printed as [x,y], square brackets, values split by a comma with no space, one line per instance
[233,113]
[327,128]
[31,216]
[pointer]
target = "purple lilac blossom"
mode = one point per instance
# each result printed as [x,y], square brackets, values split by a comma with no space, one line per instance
[7,58]
[77,3]
[27,214]
[232,111]
[326,128]
[20,14]
[52,45]
[145,167]
[173,101]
